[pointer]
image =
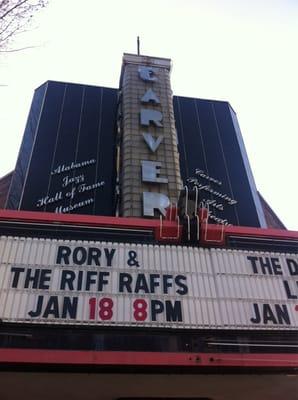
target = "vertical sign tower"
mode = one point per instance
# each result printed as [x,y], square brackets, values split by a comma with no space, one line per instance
[150,173]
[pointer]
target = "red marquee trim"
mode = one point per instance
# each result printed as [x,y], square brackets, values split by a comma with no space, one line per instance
[210,234]
[123,358]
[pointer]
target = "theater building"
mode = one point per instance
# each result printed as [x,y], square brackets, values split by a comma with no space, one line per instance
[137,259]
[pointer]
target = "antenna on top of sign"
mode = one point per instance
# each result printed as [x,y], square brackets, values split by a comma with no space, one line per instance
[138,45]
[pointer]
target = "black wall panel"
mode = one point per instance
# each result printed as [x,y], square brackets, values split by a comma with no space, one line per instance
[208,141]
[20,172]
[72,161]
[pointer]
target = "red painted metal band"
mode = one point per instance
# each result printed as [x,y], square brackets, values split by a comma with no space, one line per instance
[169,231]
[101,358]
[209,233]
[255,232]
[79,219]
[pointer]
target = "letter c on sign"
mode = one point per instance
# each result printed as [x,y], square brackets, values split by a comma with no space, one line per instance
[146,74]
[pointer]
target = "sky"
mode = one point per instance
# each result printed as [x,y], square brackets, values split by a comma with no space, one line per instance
[244,52]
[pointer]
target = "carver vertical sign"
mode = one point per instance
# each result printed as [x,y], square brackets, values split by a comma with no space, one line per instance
[150,176]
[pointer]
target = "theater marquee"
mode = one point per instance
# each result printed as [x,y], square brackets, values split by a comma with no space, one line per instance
[115,284]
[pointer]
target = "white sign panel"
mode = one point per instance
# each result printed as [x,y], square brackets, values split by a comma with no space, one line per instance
[80,282]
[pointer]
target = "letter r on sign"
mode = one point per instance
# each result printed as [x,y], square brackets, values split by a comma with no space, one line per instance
[154,201]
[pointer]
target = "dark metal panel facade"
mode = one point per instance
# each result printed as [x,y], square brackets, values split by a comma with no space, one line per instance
[71,159]
[23,160]
[208,142]
[67,159]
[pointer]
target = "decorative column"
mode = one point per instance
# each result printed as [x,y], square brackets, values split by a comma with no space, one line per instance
[150,173]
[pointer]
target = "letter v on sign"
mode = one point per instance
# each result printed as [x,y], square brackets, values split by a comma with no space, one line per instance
[153,144]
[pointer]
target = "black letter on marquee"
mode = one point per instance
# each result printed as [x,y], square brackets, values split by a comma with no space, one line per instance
[93,255]
[37,312]
[89,280]
[80,280]
[257,318]
[153,283]
[167,283]
[125,282]
[16,276]
[70,307]
[52,307]
[67,278]
[282,314]
[63,255]
[268,315]
[184,288]
[45,276]
[292,266]
[265,265]
[102,281]
[79,255]
[253,263]
[141,284]
[288,291]
[173,312]
[276,266]
[157,307]
[34,278]
[109,256]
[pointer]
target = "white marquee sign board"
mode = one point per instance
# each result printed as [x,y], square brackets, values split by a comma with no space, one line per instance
[115,284]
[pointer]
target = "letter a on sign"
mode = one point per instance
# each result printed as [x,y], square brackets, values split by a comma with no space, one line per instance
[150,96]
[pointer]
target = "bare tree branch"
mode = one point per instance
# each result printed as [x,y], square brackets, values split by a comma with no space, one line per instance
[20,49]
[15,15]
[7,26]
[19,4]
[5,38]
